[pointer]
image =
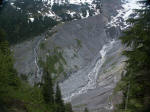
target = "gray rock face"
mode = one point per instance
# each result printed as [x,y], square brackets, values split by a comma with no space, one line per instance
[100,98]
[88,32]
[93,56]
[25,58]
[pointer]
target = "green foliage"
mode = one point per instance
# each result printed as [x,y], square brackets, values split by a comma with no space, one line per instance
[2,35]
[79,44]
[61,10]
[54,63]
[48,93]
[17,24]
[18,96]
[8,75]
[136,83]
[42,46]
[86,110]
[68,107]
[29,99]
[58,100]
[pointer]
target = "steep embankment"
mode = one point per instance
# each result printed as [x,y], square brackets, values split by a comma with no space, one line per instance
[85,37]
[92,54]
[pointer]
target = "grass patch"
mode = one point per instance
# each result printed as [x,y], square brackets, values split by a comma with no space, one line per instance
[55,62]
[79,43]
[50,34]
[42,46]
[27,99]
[79,106]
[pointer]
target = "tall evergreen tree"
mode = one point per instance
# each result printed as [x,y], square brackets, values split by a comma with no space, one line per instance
[1,1]
[48,92]
[58,100]
[86,110]
[2,35]
[136,83]
[8,75]
[68,107]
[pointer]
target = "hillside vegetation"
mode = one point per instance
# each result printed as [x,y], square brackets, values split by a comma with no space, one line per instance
[15,20]
[135,85]
[25,19]
[16,95]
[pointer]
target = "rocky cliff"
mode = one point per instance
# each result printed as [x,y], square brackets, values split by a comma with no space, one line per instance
[84,56]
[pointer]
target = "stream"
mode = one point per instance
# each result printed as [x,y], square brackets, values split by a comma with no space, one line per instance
[92,75]
[91,81]
[86,79]
[38,75]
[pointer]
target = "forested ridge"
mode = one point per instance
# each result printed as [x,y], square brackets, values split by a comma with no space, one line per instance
[24,19]
[135,84]
[14,20]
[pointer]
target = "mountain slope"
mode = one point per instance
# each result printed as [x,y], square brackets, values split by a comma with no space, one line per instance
[24,19]
[84,56]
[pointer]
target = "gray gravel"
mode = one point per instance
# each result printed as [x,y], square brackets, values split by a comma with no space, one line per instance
[93,35]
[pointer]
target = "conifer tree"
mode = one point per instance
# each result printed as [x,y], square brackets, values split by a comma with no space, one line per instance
[58,100]
[136,83]
[1,1]
[8,75]
[48,92]
[86,110]
[68,107]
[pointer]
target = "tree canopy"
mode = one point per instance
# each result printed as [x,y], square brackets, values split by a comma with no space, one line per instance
[135,85]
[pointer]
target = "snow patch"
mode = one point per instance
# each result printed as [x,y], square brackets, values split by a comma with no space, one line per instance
[80,1]
[31,19]
[50,14]
[77,2]
[71,13]
[128,8]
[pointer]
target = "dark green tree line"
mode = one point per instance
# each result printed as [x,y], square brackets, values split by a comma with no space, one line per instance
[9,80]
[51,97]
[86,110]
[48,92]
[60,107]
[135,85]
[17,24]
[68,107]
